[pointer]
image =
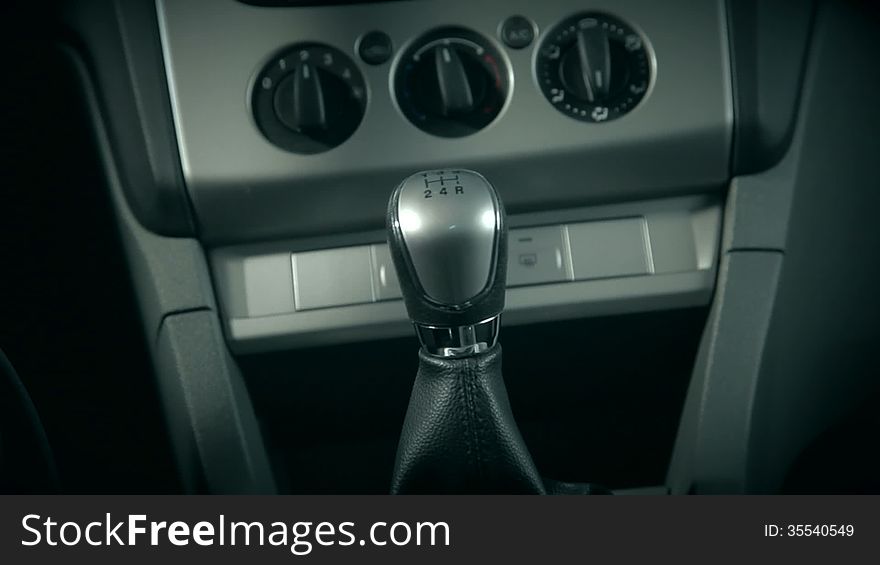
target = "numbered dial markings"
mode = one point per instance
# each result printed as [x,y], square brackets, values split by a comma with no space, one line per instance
[309,99]
[593,67]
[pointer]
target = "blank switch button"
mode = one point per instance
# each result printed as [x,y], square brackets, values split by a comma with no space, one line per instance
[267,285]
[332,277]
[613,248]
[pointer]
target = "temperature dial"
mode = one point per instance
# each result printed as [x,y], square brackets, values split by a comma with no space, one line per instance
[451,82]
[309,99]
[593,67]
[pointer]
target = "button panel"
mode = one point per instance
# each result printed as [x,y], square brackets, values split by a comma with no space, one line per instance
[621,258]
[539,255]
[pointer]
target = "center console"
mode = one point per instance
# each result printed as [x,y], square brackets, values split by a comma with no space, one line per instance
[606,130]
[250,147]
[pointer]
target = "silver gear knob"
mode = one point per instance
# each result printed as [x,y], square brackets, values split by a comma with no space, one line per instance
[448,239]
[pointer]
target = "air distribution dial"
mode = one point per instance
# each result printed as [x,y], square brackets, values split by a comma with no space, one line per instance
[309,99]
[451,82]
[593,67]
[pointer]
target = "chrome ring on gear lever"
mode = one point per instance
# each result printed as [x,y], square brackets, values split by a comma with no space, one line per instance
[448,240]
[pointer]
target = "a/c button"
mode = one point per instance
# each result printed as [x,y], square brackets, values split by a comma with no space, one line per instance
[517,32]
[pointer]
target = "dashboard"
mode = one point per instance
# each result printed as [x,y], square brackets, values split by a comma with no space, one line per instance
[601,126]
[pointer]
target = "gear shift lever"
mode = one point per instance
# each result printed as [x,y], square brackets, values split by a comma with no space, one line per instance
[448,240]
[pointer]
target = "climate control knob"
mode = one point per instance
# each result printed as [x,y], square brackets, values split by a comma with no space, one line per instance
[451,82]
[309,99]
[593,67]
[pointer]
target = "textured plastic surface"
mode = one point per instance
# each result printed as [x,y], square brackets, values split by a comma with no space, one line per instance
[768,46]
[217,440]
[210,418]
[715,433]
[791,341]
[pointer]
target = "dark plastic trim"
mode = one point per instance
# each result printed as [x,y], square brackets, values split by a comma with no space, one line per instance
[119,42]
[27,464]
[769,40]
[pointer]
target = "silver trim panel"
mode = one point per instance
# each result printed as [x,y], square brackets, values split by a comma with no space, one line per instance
[244,188]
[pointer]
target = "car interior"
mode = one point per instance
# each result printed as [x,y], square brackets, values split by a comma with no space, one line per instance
[278,247]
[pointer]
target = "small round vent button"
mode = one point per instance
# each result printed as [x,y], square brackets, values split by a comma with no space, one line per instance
[517,32]
[375,47]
